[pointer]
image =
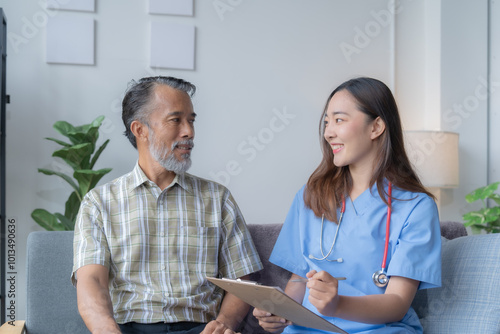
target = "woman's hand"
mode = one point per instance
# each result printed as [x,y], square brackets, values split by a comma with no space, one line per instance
[323,292]
[269,322]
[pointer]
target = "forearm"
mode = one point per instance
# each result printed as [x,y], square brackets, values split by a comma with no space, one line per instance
[95,307]
[372,309]
[233,310]
[96,310]
[296,290]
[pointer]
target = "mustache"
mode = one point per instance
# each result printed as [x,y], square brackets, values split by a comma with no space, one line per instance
[187,142]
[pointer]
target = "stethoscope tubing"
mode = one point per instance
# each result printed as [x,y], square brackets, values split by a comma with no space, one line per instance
[387,226]
[380,276]
[325,257]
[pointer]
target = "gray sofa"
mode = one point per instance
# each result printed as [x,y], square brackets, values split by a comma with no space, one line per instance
[468,302]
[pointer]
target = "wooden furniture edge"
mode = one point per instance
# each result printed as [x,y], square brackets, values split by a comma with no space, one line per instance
[13,327]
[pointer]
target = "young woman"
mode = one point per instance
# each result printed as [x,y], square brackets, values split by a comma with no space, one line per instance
[363,215]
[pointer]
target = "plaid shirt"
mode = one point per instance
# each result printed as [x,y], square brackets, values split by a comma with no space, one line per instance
[161,245]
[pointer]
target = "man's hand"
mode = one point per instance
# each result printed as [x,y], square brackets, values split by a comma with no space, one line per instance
[232,312]
[216,327]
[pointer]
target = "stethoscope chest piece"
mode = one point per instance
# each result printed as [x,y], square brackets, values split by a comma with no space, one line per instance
[380,278]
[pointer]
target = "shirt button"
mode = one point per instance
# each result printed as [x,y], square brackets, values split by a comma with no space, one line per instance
[162,234]
[167,294]
[162,267]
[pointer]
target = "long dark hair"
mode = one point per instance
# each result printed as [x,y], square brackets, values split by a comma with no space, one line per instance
[328,184]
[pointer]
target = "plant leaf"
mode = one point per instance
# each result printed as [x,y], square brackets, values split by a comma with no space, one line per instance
[87,133]
[91,131]
[77,156]
[476,229]
[98,153]
[64,127]
[65,222]
[90,136]
[88,179]
[98,121]
[496,198]
[72,206]
[482,193]
[61,175]
[60,142]
[491,214]
[94,124]
[46,220]
[472,222]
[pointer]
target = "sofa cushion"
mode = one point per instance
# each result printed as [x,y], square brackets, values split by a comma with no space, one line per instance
[264,237]
[469,299]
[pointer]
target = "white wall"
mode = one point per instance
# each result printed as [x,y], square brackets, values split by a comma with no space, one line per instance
[464,97]
[259,60]
[263,58]
[494,107]
[441,76]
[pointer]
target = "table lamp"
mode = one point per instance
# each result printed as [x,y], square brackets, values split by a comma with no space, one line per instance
[434,155]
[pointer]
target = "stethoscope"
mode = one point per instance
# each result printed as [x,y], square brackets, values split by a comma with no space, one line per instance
[379,277]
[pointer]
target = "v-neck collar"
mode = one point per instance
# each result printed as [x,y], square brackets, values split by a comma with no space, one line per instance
[364,201]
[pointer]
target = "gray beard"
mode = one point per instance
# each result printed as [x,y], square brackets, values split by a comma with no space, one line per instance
[166,157]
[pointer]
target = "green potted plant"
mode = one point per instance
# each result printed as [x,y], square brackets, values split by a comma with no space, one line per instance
[487,218]
[81,155]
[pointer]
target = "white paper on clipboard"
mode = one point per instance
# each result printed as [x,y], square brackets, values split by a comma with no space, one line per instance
[273,300]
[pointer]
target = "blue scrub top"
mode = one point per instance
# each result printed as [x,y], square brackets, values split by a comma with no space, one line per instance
[414,249]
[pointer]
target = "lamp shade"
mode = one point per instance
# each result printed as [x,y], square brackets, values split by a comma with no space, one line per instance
[434,155]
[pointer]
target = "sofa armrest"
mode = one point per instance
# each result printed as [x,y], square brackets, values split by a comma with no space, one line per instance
[451,230]
[469,300]
[16,328]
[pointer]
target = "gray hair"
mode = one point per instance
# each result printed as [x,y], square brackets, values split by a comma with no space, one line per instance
[138,96]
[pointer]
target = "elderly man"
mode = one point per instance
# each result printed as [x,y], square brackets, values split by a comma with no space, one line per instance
[145,242]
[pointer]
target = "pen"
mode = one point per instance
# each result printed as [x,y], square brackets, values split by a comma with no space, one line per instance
[307,279]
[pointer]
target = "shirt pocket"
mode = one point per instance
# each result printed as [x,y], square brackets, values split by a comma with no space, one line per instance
[198,250]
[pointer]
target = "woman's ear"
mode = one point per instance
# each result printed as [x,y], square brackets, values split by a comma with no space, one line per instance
[378,127]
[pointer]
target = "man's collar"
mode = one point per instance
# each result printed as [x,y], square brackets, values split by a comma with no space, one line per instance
[138,178]
[184,180]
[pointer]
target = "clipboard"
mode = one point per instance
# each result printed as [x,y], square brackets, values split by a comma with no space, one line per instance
[273,300]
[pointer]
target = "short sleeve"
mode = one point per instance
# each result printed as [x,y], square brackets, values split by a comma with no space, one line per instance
[287,252]
[418,250]
[238,255]
[89,243]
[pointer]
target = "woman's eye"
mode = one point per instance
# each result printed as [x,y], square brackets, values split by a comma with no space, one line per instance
[338,120]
